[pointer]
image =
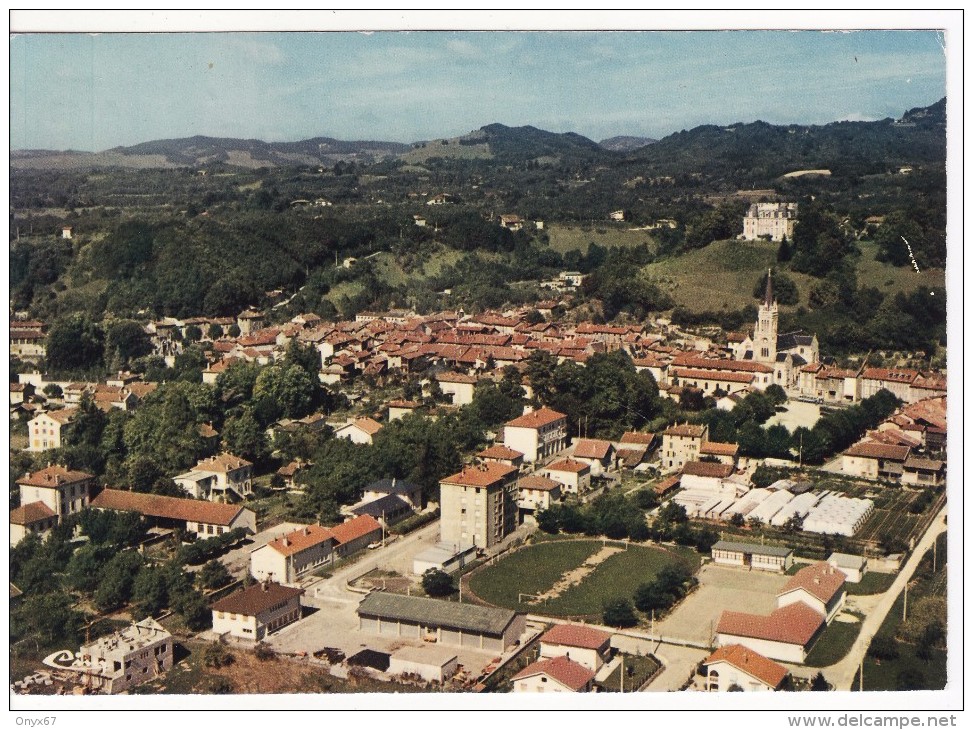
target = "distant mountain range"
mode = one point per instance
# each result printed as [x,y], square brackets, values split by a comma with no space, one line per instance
[776,149]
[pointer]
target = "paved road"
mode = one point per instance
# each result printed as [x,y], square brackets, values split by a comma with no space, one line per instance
[842,674]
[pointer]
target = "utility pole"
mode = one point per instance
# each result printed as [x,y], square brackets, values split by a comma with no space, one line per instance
[905,600]
[622,682]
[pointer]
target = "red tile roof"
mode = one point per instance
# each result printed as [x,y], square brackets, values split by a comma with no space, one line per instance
[718,449]
[499,451]
[582,637]
[707,469]
[173,508]
[796,623]
[635,437]
[222,463]
[355,528]
[53,476]
[301,539]
[577,467]
[727,377]
[535,481]
[28,514]
[822,580]
[256,599]
[456,378]
[686,429]
[481,475]
[368,425]
[592,449]
[747,660]
[536,419]
[561,669]
[872,450]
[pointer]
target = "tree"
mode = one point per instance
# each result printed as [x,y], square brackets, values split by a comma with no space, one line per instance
[883,647]
[910,679]
[548,520]
[217,656]
[437,583]
[85,566]
[819,683]
[214,331]
[116,580]
[214,575]
[619,612]
[74,343]
[53,390]
[650,597]
[150,591]
[283,390]
[125,340]
[242,435]
[194,333]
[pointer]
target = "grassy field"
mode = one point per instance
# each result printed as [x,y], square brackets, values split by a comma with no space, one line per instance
[575,238]
[641,668]
[723,274]
[871,583]
[833,644]
[537,568]
[452,149]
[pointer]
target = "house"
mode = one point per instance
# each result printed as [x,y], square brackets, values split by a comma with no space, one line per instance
[458,386]
[511,222]
[402,408]
[429,663]
[502,455]
[872,460]
[681,443]
[786,634]
[735,665]
[407,491]
[290,471]
[27,343]
[921,472]
[289,557]
[585,645]
[19,392]
[205,519]
[854,567]
[713,382]
[255,612]
[820,586]
[355,535]
[223,477]
[773,220]
[34,518]
[123,660]
[478,505]
[536,493]
[63,491]
[554,675]
[723,453]
[447,557]
[706,475]
[387,510]
[752,555]
[596,453]
[574,475]
[49,430]
[359,431]
[480,628]
[537,434]
[249,322]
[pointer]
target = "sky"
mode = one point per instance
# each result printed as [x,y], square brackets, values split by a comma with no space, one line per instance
[92,92]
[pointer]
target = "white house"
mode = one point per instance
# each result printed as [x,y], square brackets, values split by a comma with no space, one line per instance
[587,646]
[753,555]
[458,387]
[63,491]
[214,478]
[853,566]
[359,431]
[205,519]
[291,556]
[786,634]
[737,666]
[554,675]
[574,475]
[47,430]
[820,586]
[537,434]
[257,611]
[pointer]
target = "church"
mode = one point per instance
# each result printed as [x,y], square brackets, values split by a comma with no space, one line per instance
[785,353]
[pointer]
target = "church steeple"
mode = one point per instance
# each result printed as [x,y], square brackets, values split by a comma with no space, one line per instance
[765,333]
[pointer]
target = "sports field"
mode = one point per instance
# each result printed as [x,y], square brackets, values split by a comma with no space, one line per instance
[571,577]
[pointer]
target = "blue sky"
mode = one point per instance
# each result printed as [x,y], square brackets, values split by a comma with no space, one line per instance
[93,92]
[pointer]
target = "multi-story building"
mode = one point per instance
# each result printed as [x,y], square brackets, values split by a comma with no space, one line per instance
[478,506]
[256,611]
[48,430]
[214,477]
[538,434]
[115,663]
[61,490]
[775,220]
[681,443]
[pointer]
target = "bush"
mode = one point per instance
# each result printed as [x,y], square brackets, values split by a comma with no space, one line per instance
[263,652]
[883,647]
[437,583]
[217,656]
[413,523]
[619,612]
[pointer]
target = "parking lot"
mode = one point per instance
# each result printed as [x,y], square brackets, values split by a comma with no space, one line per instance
[721,589]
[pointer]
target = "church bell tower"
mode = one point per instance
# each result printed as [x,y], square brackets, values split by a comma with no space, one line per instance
[765,333]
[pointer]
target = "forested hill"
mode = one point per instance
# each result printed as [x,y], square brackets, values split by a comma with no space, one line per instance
[768,151]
